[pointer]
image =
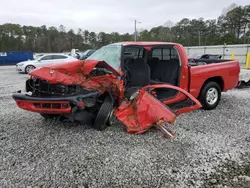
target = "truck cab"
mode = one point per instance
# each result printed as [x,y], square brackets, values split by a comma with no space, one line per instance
[150,63]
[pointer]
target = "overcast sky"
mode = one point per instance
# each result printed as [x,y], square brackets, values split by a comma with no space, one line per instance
[108,15]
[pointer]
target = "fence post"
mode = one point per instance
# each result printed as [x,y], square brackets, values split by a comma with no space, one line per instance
[248,60]
[232,56]
[224,47]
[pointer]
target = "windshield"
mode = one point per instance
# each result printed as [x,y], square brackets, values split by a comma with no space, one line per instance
[111,54]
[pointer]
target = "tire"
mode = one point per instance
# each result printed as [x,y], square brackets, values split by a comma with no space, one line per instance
[29,68]
[210,95]
[102,119]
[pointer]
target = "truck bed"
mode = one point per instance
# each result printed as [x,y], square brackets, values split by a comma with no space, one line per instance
[225,73]
[198,62]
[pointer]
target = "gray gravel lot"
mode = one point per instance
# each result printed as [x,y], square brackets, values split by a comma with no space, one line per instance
[212,148]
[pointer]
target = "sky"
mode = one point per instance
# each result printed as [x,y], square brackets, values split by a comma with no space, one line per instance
[109,15]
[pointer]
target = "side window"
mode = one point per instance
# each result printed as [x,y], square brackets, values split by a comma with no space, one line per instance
[90,52]
[141,53]
[133,52]
[174,54]
[166,54]
[157,53]
[214,57]
[59,57]
[47,57]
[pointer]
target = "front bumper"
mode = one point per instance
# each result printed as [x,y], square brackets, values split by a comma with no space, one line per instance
[19,68]
[51,105]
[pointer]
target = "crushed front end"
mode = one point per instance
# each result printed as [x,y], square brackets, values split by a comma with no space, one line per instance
[57,99]
[77,96]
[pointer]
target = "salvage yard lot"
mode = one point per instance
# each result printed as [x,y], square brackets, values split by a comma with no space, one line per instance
[211,148]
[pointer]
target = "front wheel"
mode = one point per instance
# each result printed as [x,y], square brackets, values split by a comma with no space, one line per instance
[29,68]
[210,96]
[103,115]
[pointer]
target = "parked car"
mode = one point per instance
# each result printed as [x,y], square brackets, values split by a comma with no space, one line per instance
[40,61]
[140,84]
[86,54]
[205,58]
[211,56]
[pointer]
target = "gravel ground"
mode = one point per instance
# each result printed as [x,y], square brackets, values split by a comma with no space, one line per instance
[212,148]
[245,75]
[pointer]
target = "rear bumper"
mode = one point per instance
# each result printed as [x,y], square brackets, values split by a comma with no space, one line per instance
[50,105]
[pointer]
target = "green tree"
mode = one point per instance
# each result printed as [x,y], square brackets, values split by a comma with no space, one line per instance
[231,27]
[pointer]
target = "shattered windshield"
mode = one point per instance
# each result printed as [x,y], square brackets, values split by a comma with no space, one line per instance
[111,54]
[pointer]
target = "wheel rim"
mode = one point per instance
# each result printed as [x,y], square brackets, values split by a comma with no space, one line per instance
[212,96]
[29,68]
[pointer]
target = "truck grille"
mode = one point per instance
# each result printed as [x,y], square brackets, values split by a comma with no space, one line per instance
[43,88]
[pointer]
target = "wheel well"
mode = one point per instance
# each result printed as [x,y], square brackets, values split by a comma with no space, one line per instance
[105,94]
[216,79]
[29,65]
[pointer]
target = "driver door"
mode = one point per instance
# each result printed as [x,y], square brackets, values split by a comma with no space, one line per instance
[144,110]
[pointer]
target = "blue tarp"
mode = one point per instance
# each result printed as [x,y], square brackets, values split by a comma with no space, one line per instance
[12,58]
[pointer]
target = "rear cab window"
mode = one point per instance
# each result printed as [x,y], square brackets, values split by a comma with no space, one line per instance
[165,53]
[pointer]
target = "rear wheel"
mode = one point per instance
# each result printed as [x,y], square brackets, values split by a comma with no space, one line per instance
[103,115]
[210,96]
[29,68]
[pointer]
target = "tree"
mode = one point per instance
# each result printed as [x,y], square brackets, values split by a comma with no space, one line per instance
[231,27]
[228,9]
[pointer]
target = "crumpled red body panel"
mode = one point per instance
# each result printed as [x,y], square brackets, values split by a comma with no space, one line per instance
[143,112]
[196,105]
[65,73]
[108,83]
[76,73]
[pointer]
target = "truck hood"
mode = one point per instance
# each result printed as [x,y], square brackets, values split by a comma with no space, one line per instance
[68,73]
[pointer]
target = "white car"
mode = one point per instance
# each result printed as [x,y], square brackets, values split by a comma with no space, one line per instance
[44,60]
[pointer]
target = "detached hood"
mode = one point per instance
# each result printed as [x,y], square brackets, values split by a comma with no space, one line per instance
[68,73]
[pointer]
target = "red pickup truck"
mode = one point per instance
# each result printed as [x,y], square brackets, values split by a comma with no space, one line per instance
[140,83]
